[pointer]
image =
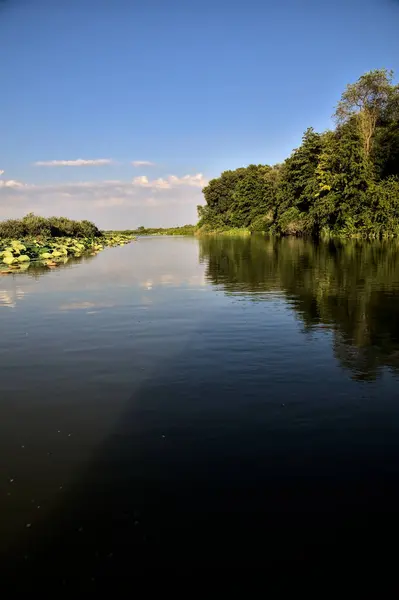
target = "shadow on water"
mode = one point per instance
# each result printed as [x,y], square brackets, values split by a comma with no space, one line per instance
[181,503]
[199,488]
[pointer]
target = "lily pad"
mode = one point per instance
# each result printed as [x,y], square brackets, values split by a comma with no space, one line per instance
[18,245]
[8,259]
[24,266]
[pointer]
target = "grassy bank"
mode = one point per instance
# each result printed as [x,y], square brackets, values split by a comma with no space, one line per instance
[324,235]
[36,241]
[232,231]
[184,230]
[188,230]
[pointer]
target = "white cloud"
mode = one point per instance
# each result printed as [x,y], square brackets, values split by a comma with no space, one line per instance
[10,183]
[78,162]
[75,188]
[141,181]
[142,163]
[161,184]
[197,180]
[110,203]
[171,181]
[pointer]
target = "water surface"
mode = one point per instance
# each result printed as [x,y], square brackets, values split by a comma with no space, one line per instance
[213,402]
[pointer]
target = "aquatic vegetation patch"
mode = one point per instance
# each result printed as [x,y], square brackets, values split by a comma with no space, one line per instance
[18,255]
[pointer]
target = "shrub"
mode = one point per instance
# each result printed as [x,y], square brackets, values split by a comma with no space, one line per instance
[34,226]
[291,222]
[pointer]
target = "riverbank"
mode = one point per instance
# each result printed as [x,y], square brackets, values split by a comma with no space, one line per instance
[324,235]
[233,231]
[183,230]
[190,230]
[49,242]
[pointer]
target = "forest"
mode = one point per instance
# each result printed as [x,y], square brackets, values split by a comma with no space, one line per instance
[341,182]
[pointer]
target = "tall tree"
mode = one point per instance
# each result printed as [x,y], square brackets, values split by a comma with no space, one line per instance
[344,181]
[219,197]
[298,185]
[344,176]
[253,195]
[368,99]
[385,153]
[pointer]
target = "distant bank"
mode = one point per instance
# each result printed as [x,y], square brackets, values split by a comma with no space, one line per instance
[184,230]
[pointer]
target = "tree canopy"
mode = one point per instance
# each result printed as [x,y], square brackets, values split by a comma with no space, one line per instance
[343,181]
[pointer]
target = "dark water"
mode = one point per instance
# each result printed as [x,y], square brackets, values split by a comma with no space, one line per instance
[182,404]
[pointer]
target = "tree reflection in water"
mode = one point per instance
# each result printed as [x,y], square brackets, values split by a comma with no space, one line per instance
[349,287]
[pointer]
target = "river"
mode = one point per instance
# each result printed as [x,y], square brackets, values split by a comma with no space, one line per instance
[181,403]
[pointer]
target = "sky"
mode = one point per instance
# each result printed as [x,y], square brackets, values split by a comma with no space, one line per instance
[120,111]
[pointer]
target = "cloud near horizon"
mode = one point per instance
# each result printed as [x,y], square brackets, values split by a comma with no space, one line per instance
[10,183]
[171,181]
[78,162]
[110,203]
[143,163]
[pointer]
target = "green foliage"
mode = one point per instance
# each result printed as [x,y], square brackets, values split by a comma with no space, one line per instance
[262,222]
[343,177]
[367,100]
[253,196]
[383,198]
[297,185]
[33,225]
[292,222]
[219,196]
[225,231]
[386,140]
[42,248]
[341,182]
[184,230]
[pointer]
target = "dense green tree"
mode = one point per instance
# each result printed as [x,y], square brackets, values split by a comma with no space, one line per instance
[298,185]
[384,207]
[344,176]
[367,100]
[386,144]
[219,196]
[254,195]
[340,182]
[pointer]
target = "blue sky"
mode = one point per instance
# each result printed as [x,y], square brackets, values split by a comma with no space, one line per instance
[194,87]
